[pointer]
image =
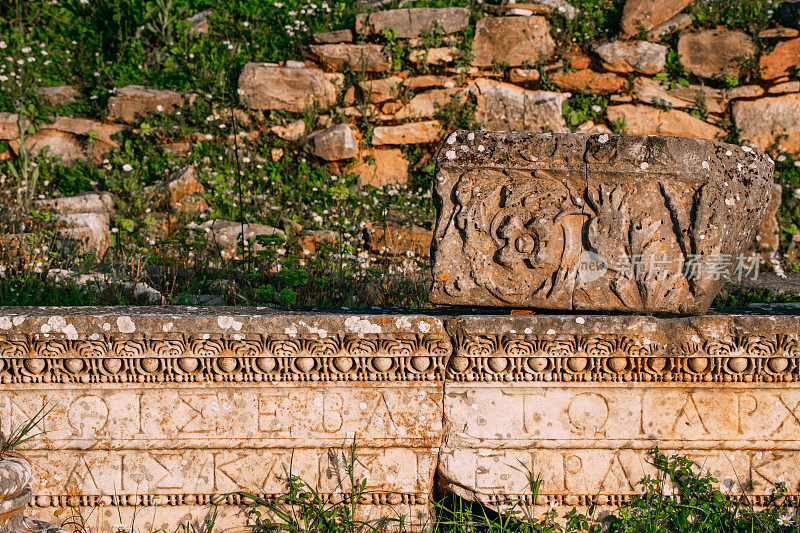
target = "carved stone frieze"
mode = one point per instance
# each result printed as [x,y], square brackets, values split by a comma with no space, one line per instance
[593,222]
[158,413]
[581,399]
[475,401]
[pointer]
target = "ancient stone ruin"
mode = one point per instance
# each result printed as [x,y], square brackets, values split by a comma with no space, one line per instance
[520,214]
[163,411]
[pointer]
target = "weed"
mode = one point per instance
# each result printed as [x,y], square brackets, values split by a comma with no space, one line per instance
[594,20]
[750,15]
[674,72]
[22,433]
[583,106]
[458,113]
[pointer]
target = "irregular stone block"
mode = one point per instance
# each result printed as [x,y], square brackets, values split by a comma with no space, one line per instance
[334,37]
[84,233]
[511,40]
[163,410]
[411,133]
[603,222]
[646,14]
[503,106]
[769,120]
[778,33]
[433,56]
[427,104]
[580,400]
[268,86]
[678,22]
[9,128]
[87,202]
[648,120]
[333,144]
[66,146]
[630,56]
[227,235]
[415,21]
[382,89]
[652,91]
[369,57]
[581,80]
[135,101]
[781,61]
[381,167]
[397,239]
[292,131]
[785,87]
[715,53]
[59,95]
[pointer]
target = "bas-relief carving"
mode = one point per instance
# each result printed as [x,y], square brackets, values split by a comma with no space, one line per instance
[189,416]
[694,416]
[516,213]
[135,477]
[578,399]
[167,422]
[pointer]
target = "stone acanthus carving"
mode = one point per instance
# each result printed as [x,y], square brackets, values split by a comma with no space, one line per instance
[194,358]
[665,219]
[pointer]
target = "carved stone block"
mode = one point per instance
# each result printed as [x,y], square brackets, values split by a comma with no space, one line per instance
[581,399]
[593,222]
[160,412]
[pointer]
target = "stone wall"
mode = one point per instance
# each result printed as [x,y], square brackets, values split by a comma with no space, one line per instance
[660,74]
[159,412]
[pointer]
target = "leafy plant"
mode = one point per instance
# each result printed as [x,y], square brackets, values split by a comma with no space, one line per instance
[24,169]
[674,72]
[583,106]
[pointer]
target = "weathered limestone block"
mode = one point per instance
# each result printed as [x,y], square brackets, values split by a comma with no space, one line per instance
[380,167]
[504,106]
[333,144]
[369,57]
[654,92]
[410,133]
[581,399]
[269,86]
[645,14]
[135,101]
[630,56]
[605,222]
[59,95]
[781,61]
[414,21]
[166,409]
[648,120]
[512,40]
[715,53]
[769,120]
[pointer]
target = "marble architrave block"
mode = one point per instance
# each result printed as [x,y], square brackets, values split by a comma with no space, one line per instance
[158,412]
[637,223]
[580,400]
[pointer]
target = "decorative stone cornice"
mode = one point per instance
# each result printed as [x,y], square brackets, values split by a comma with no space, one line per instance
[192,358]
